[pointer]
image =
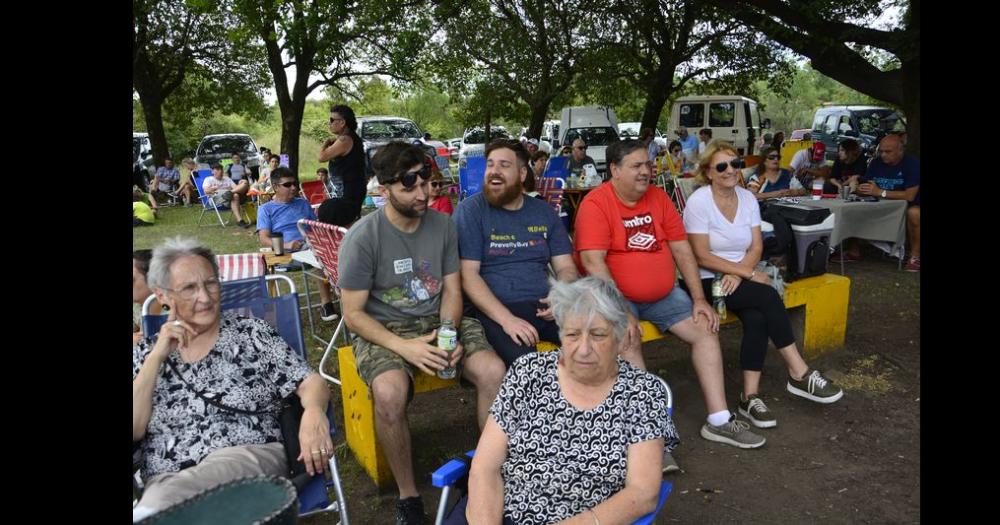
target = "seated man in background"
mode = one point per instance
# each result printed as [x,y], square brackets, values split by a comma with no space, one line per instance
[223,191]
[281,215]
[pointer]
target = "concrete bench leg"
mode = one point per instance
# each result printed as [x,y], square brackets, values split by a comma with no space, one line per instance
[825,298]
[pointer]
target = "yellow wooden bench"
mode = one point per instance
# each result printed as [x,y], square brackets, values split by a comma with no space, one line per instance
[825,298]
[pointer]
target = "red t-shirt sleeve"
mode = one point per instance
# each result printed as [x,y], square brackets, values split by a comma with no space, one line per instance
[592,230]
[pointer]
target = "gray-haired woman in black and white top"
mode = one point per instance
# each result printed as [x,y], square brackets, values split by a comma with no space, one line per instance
[574,432]
[189,444]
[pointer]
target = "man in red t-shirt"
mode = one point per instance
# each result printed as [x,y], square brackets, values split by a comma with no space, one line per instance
[628,230]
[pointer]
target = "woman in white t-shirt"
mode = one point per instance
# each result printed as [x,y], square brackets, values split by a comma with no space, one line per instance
[723,226]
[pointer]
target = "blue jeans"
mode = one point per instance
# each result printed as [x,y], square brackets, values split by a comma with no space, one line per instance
[666,312]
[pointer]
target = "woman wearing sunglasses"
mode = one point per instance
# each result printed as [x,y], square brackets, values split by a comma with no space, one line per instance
[723,226]
[346,155]
[438,198]
[771,180]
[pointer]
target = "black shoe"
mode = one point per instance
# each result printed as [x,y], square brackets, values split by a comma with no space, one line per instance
[410,511]
[244,224]
[329,314]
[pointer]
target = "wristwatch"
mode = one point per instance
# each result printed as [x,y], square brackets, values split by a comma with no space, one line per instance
[883,194]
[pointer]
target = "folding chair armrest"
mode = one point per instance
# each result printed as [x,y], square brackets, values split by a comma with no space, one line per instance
[450,472]
[288,280]
[665,489]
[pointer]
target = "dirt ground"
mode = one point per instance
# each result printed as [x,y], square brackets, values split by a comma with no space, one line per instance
[856,461]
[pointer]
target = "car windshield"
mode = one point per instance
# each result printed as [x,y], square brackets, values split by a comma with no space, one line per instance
[389,129]
[478,135]
[879,122]
[222,145]
[592,136]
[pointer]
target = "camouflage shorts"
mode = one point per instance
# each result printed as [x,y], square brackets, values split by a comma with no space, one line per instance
[373,359]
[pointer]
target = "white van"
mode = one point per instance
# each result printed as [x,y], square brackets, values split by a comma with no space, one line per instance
[730,117]
[596,125]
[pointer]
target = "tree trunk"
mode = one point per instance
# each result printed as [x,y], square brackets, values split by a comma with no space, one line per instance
[655,100]
[291,127]
[538,114]
[152,110]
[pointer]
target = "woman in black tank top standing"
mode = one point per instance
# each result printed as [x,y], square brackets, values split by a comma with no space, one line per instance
[346,155]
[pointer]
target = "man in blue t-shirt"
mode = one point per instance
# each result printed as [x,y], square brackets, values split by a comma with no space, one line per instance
[895,175]
[689,144]
[281,215]
[506,242]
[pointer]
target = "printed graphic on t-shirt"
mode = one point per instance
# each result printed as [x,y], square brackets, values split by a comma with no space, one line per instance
[505,244]
[641,233]
[416,288]
[894,183]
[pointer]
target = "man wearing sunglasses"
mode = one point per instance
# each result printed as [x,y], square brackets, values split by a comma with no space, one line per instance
[281,215]
[580,158]
[506,242]
[399,279]
[629,231]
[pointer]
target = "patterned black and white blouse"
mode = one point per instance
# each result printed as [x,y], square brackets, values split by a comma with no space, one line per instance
[561,460]
[250,367]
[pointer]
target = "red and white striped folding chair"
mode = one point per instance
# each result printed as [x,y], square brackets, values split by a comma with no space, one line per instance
[551,189]
[236,266]
[324,240]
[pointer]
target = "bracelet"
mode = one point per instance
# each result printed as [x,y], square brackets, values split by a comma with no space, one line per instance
[752,273]
[594,514]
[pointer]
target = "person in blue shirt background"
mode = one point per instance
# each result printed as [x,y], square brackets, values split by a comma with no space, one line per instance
[896,175]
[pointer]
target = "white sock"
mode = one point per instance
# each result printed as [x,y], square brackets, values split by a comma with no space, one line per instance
[719,418]
[141,512]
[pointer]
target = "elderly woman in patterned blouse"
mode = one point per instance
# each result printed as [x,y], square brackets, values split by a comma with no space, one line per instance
[207,391]
[575,435]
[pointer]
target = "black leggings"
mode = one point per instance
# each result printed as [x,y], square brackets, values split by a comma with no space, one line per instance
[763,314]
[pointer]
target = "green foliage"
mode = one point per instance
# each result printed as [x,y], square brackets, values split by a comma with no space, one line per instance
[808,90]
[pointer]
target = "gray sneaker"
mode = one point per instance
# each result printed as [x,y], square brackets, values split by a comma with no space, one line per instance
[754,409]
[815,387]
[669,463]
[736,433]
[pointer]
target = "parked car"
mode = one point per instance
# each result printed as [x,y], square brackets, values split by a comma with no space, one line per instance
[630,130]
[377,131]
[216,148]
[142,153]
[866,124]
[474,140]
[454,145]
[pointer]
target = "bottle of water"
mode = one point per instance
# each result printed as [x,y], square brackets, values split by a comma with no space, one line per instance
[448,341]
[718,298]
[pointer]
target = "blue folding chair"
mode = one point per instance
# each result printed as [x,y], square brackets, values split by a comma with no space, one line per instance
[250,297]
[198,178]
[449,475]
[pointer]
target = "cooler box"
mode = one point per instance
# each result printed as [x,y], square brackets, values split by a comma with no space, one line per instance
[811,248]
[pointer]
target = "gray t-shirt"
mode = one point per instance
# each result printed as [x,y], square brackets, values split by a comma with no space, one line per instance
[577,167]
[403,272]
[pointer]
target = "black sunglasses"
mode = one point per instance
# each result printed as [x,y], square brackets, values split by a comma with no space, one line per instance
[584,148]
[288,184]
[409,178]
[773,157]
[437,184]
[735,163]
